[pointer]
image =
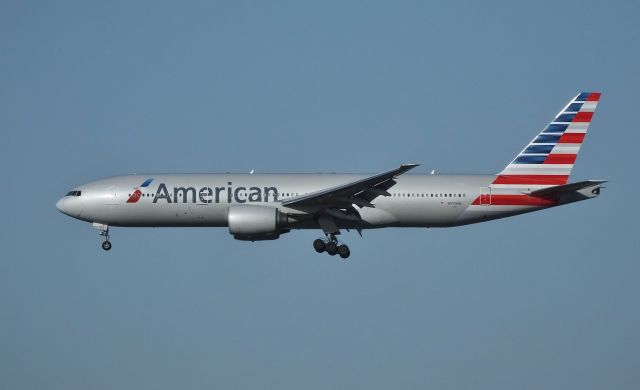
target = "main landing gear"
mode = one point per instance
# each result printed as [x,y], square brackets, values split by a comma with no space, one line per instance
[330,245]
[104,232]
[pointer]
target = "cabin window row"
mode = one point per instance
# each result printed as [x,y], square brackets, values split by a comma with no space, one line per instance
[429,195]
[396,194]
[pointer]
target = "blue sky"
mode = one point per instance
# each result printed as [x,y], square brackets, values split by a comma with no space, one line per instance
[94,89]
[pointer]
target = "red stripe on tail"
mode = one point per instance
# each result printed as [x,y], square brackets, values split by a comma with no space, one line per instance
[571,138]
[594,97]
[531,179]
[583,117]
[559,158]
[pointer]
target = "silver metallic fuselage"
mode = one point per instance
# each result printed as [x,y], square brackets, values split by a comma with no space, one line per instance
[204,199]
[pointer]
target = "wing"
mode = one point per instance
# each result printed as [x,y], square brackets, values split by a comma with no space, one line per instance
[360,192]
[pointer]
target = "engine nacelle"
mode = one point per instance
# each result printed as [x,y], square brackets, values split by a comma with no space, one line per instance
[255,223]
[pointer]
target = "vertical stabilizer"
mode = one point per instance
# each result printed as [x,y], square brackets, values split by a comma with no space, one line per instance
[549,158]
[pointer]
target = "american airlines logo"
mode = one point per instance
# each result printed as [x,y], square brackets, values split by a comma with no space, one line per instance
[206,195]
[137,194]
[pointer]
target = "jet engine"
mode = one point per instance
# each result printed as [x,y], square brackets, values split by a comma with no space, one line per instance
[255,223]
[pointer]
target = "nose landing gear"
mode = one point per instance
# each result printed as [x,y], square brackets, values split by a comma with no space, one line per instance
[104,232]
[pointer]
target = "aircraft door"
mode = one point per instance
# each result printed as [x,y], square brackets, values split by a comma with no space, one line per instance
[112,196]
[485,196]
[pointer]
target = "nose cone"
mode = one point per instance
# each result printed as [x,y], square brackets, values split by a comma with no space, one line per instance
[61,205]
[72,206]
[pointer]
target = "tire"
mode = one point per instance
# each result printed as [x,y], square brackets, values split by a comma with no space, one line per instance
[106,245]
[331,248]
[319,245]
[344,251]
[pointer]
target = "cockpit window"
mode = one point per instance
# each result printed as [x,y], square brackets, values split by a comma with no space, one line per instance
[74,193]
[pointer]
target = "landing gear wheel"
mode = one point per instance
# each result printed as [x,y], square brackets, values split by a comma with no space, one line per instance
[331,248]
[106,245]
[344,251]
[319,245]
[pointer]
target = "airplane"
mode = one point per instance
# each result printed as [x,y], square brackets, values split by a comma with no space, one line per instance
[257,206]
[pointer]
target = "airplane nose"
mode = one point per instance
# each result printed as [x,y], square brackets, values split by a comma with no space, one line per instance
[60,205]
[72,206]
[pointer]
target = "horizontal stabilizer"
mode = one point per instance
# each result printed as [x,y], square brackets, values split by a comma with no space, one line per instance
[571,187]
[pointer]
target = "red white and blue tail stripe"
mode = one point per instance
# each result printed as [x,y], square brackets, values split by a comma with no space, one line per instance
[549,158]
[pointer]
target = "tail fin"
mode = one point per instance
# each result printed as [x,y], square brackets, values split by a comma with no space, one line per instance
[548,159]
